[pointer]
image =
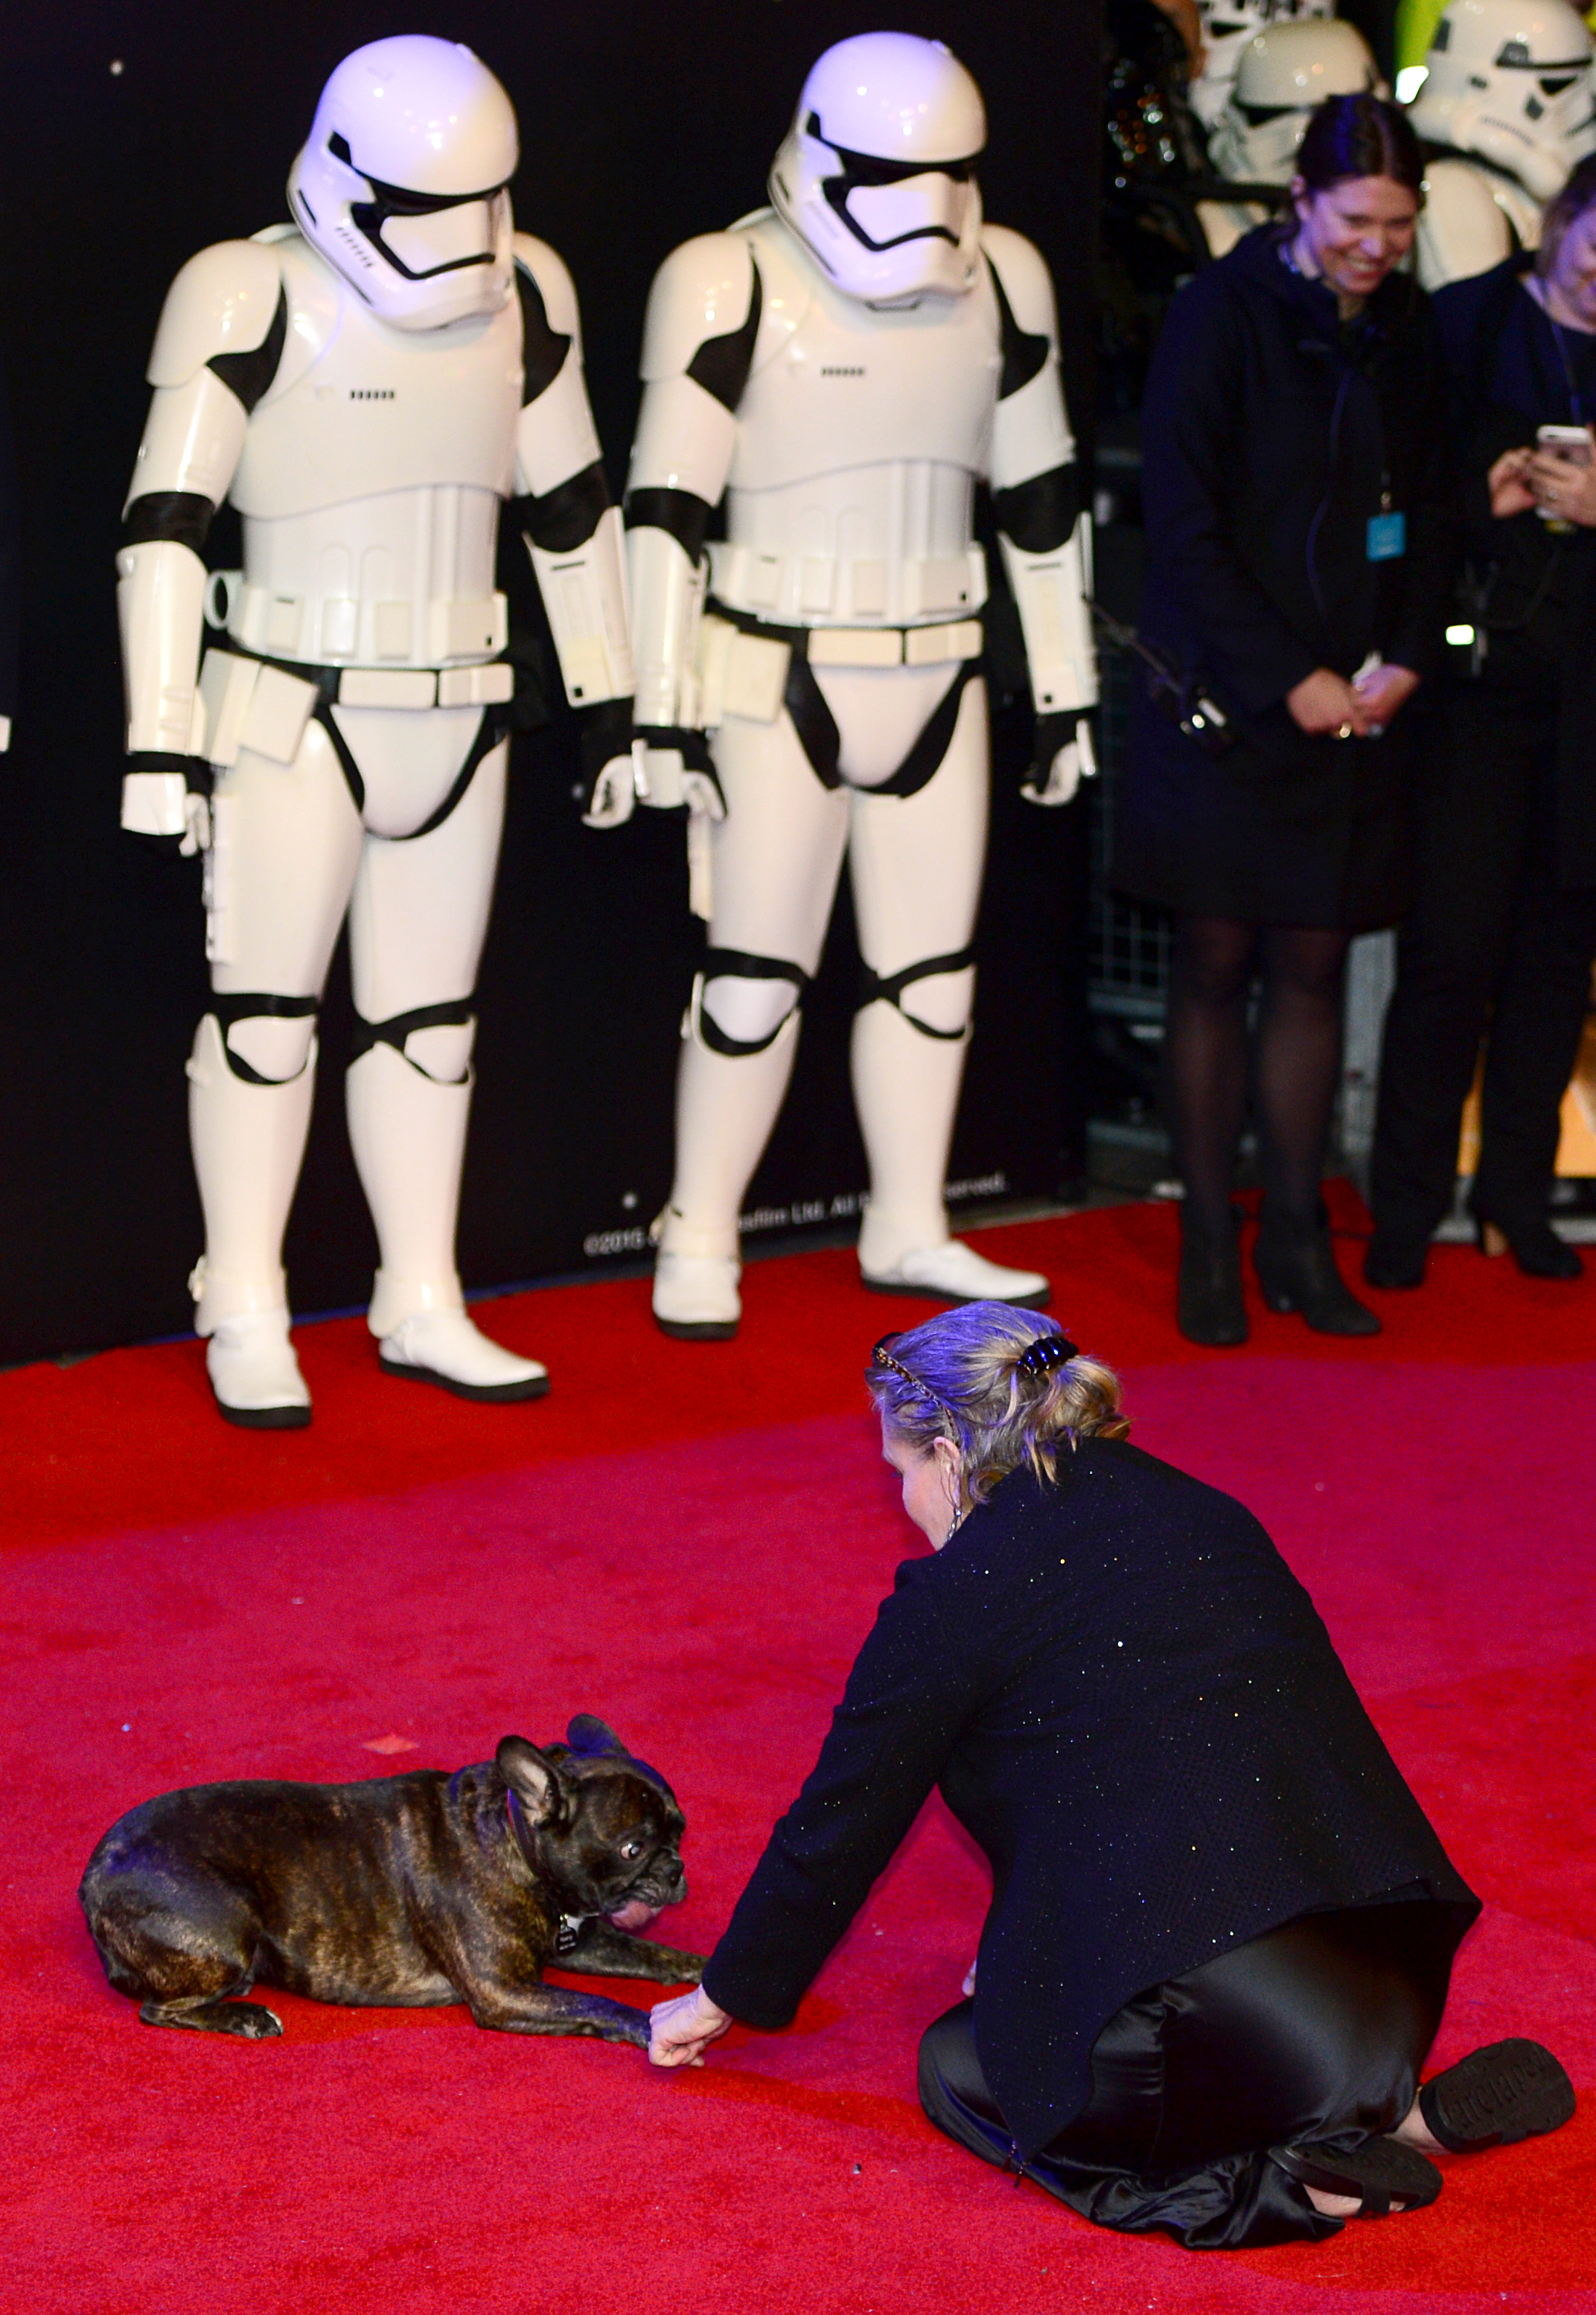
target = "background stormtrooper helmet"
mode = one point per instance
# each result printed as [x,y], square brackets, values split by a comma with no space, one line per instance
[402,183]
[877,173]
[1284,72]
[1227,27]
[1510,80]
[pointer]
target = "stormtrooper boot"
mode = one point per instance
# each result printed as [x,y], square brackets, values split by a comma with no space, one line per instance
[726,1105]
[407,1130]
[248,1140]
[906,1089]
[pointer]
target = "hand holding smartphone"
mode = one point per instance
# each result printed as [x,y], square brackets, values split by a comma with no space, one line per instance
[1557,447]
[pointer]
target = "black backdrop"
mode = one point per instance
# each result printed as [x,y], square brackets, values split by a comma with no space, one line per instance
[137,135]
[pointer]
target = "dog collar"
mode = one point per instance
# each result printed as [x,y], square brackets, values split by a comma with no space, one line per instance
[570,1925]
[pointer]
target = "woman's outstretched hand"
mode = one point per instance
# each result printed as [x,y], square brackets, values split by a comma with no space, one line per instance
[1326,702]
[680,2031]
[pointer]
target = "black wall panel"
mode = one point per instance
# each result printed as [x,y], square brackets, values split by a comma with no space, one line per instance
[136,135]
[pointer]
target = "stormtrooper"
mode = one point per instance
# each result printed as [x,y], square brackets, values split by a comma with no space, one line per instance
[1505,106]
[368,385]
[844,367]
[1284,71]
[1227,28]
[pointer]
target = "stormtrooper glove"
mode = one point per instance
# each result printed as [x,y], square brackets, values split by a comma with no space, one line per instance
[170,819]
[612,766]
[680,770]
[1061,757]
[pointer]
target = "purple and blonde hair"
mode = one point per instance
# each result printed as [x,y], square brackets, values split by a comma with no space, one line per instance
[1004,1385]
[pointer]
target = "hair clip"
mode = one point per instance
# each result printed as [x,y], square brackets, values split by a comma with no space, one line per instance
[1046,1352]
[882,1357]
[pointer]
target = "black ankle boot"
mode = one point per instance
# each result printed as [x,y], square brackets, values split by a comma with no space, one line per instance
[1534,1244]
[1209,1308]
[1296,1267]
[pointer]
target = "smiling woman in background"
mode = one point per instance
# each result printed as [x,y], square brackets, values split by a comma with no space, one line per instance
[1221,1929]
[1503,930]
[1301,551]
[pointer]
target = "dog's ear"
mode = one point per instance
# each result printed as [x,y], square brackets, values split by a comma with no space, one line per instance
[533,1778]
[594,1739]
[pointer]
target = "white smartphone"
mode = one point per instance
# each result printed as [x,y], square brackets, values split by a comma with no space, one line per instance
[1570,443]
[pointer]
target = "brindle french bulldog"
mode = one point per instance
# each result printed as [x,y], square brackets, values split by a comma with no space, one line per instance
[398,1892]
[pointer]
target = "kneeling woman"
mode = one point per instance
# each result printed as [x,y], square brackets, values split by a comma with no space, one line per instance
[1222,1929]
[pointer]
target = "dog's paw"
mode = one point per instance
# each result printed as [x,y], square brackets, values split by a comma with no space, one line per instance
[264,2024]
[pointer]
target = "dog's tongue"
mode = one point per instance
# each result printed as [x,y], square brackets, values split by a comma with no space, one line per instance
[634,1915]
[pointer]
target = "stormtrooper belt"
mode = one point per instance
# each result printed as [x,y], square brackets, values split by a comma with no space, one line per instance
[262,703]
[808,647]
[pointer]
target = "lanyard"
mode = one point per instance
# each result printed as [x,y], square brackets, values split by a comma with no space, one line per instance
[1576,403]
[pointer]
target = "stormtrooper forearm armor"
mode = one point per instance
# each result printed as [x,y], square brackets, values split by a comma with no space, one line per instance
[220,335]
[1042,532]
[703,313]
[574,533]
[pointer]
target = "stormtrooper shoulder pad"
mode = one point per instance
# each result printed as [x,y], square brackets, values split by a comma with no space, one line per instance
[224,302]
[1027,284]
[704,290]
[554,285]
[1462,227]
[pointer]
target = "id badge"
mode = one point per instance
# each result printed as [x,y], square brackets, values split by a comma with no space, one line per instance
[1387,538]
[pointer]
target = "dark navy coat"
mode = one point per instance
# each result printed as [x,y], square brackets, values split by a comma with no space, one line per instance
[1130,1702]
[1272,435]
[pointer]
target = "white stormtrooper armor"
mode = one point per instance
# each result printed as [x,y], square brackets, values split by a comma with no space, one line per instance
[843,368]
[368,385]
[1285,71]
[1227,28]
[1506,103]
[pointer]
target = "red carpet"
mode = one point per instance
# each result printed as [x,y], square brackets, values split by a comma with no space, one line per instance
[690,1540]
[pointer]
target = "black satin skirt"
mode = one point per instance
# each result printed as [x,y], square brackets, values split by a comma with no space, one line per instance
[1311,2035]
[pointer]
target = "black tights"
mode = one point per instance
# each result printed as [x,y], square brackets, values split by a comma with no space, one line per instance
[1295,1063]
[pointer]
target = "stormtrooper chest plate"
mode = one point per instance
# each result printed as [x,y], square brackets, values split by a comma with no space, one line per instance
[359,409]
[849,385]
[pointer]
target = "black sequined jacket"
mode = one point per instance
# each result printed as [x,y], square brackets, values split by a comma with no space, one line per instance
[1129,1701]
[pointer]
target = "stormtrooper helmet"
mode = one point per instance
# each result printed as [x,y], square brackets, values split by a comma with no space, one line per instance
[1284,72]
[1510,80]
[402,183]
[877,174]
[1227,27]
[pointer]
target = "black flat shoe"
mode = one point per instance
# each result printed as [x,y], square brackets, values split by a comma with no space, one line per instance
[1208,1306]
[1380,2172]
[1496,2096]
[1534,1246]
[1296,1267]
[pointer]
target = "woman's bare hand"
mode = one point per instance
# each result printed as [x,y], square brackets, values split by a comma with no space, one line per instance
[1324,702]
[1563,489]
[680,2031]
[1383,690]
[1508,482]
[968,1988]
